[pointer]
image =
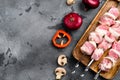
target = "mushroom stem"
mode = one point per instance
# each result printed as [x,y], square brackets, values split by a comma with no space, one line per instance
[60,72]
[58,77]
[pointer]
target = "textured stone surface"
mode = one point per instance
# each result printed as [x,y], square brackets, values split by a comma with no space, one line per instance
[26,29]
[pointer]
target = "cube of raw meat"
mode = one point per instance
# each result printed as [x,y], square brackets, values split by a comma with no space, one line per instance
[104,45]
[102,30]
[97,54]
[115,29]
[116,45]
[104,20]
[94,36]
[109,37]
[114,32]
[110,15]
[88,47]
[114,54]
[107,63]
[115,11]
[117,24]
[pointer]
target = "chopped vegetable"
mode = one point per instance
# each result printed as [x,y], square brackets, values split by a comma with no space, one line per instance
[59,36]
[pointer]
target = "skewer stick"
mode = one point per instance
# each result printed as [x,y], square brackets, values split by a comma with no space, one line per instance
[97,75]
[87,68]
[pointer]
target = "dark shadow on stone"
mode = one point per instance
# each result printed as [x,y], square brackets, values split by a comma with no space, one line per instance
[28,9]
[61,26]
[72,9]
[29,61]
[42,13]
[29,44]
[37,4]
[83,7]
[13,60]
[56,27]
[83,16]
[53,18]
[20,14]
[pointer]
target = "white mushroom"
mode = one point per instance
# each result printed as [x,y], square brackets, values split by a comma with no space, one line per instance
[62,60]
[70,2]
[60,72]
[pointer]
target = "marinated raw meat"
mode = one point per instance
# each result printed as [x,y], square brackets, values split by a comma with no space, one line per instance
[117,24]
[114,11]
[116,45]
[117,29]
[107,63]
[104,20]
[102,30]
[114,32]
[94,36]
[97,54]
[107,14]
[104,38]
[109,37]
[114,54]
[104,45]
[109,17]
[88,47]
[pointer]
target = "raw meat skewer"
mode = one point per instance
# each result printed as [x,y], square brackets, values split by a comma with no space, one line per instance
[103,37]
[106,64]
[95,56]
[98,52]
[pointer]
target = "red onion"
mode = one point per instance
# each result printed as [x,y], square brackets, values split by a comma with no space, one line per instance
[91,3]
[73,21]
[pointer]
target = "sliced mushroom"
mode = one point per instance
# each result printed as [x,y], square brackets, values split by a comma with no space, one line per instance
[62,60]
[60,72]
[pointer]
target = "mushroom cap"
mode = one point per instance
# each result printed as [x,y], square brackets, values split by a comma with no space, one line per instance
[60,72]
[70,2]
[62,60]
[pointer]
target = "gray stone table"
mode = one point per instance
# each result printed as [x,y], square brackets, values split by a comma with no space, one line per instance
[26,30]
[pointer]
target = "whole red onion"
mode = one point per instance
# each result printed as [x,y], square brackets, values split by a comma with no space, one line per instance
[73,21]
[91,3]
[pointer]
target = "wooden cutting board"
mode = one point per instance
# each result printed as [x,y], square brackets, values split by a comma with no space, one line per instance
[86,59]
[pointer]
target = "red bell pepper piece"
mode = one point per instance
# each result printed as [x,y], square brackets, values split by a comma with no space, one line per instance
[58,36]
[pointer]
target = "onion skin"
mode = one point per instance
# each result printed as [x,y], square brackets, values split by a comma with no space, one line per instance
[73,21]
[91,3]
